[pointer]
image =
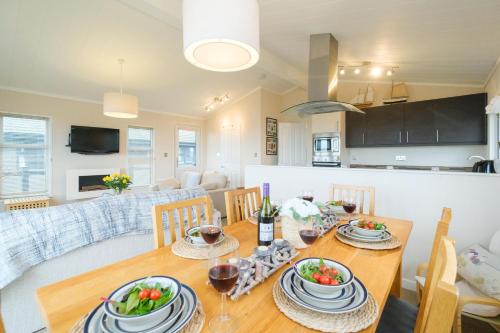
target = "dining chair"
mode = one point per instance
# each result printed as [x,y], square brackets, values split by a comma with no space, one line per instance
[242,203]
[341,192]
[179,207]
[464,300]
[441,230]
[439,300]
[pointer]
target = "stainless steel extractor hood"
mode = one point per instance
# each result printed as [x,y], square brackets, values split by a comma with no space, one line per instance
[323,79]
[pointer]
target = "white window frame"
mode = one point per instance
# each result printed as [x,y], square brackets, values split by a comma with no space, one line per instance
[48,158]
[180,169]
[152,158]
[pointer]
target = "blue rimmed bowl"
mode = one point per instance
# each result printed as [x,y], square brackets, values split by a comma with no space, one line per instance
[139,322]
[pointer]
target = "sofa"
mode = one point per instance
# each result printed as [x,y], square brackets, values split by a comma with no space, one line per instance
[214,182]
[46,245]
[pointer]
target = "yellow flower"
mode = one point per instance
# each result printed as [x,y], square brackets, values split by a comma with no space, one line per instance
[115,175]
[124,181]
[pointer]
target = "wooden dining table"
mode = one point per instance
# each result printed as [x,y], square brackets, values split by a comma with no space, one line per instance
[64,303]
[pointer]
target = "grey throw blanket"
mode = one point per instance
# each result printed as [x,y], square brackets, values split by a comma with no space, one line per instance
[30,237]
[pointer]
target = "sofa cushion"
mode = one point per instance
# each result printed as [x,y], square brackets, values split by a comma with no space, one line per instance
[481,269]
[214,177]
[170,183]
[466,289]
[190,179]
[495,243]
[209,186]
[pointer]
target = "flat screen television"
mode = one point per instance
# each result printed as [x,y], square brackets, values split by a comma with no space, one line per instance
[94,140]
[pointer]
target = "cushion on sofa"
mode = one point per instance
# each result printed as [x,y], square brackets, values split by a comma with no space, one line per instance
[209,186]
[477,309]
[480,269]
[170,183]
[495,243]
[214,177]
[190,179]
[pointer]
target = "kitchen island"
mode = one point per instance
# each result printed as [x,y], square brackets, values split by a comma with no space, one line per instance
[416,195]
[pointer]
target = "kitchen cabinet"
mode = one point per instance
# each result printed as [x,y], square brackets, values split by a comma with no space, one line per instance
[419,123]
[384,125]
[445,121]
[355,129]
[461,120]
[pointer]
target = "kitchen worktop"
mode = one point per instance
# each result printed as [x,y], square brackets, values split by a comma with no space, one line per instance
[411,167]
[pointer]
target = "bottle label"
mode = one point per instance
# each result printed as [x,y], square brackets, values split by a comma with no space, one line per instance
[266,232]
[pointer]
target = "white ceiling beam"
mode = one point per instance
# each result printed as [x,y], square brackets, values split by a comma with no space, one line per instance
[267,62]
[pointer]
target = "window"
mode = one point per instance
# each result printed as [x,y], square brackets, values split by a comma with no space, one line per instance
[187,154]
[24,155]
[140,155]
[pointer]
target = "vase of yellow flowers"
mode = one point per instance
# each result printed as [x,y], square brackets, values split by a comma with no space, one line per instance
[117,182]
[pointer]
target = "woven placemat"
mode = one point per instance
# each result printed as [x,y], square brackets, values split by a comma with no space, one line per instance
[186,250]
[390,244]
[195,325]
[354,321]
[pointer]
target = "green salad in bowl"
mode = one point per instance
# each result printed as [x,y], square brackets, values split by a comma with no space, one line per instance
[144,298]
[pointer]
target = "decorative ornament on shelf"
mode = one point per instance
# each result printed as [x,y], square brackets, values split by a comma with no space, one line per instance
[118,104]
[117,182]
[221,35]
[293,212]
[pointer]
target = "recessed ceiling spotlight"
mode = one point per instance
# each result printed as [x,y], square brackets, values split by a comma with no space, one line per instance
[389,72]
[342,71]
[376,71]
[357,71]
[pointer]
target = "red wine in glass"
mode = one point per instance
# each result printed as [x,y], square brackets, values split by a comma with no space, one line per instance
[308,198]
[349,207]
[223,277]
[210,234]
[308,236]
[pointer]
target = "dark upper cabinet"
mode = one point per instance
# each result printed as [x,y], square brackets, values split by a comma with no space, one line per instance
[461,120]
[419,123]
[355,129]
[445,121]
[384,125]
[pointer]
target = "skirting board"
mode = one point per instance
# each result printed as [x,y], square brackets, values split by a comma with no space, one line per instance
[409,284]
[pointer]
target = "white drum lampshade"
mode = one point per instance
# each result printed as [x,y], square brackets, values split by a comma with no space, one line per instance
[120,105]
[221,35]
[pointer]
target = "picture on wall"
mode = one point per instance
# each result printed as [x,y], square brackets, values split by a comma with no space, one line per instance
[271,146]
[271,127]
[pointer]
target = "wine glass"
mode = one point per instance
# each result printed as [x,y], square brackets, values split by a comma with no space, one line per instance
[210,234]
[223,275]
[349,205]
[307,195]
[308,232]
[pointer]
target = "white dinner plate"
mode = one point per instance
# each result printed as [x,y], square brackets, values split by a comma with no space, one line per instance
[348,231]
[358,300]
[345,294]
[189,300]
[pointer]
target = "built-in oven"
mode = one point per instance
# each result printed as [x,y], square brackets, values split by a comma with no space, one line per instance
[326,149]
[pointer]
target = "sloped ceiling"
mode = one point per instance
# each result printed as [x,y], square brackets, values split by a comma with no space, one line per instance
[71,47]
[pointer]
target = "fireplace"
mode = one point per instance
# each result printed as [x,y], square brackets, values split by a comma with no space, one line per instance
[87,183]
[91,183]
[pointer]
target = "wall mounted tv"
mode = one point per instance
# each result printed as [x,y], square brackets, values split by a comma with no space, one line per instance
[94,140]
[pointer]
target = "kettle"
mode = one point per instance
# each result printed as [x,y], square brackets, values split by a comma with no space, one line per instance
[483,165]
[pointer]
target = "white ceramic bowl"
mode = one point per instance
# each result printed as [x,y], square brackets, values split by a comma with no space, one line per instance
[365,232]
[142,322]
[196,239]
[320,290]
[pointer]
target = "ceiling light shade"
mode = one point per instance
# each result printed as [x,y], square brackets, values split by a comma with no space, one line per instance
[376,71]
[120,105]
[494,106]
[221,35]
[357,71]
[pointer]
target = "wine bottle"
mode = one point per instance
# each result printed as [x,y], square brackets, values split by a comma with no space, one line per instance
[265,230]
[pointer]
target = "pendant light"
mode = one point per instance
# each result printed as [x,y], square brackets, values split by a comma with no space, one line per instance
[221,35]
[120,105]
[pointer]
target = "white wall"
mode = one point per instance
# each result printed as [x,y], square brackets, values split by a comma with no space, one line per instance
[429,156]
[418,196]
[493,89]
[64,113]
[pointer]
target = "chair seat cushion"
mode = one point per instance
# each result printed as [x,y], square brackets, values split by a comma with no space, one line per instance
[398,317]
[466,289]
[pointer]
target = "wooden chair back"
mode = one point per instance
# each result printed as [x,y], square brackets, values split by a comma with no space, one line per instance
[242,203]
[441,231]
[439,302]
[343,192]
[179,207]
